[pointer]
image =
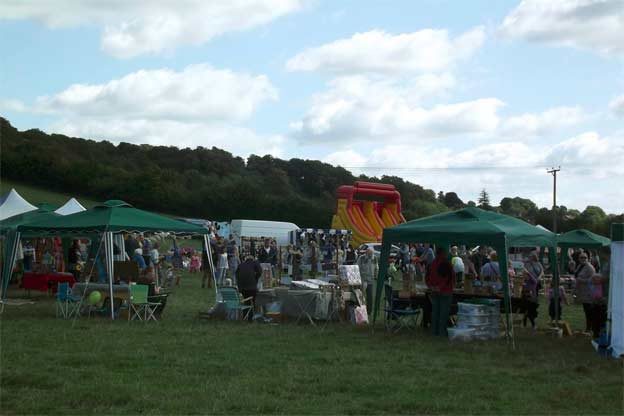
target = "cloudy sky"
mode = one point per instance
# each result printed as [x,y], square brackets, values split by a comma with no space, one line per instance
[455,96]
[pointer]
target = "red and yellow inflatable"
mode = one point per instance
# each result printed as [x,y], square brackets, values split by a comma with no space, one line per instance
[366,209]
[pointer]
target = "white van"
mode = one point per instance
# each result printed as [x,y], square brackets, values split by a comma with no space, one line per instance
[257,228]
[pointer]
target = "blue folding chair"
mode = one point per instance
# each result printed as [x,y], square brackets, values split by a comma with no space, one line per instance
[397,318]
[66,304]
[233,303]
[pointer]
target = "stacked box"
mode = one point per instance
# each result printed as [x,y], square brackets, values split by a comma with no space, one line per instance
[483,319]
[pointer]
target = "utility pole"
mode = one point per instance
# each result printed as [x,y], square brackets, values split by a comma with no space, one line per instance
[554,171]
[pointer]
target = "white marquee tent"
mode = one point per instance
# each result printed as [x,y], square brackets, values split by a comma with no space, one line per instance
[14,204]
[71,207]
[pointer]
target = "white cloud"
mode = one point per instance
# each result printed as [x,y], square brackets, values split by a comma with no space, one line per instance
[239,140]
[132,28]
[347,159]
[616,105]
[595,25]
[199,92]
[592,169]
[530,125]
[197,106]
[359,108]
[590,154]
[12,105]
[380,52]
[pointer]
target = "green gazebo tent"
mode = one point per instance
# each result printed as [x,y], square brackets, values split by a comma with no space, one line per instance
[579,238]
[108,218]
[470,226]
[8,231]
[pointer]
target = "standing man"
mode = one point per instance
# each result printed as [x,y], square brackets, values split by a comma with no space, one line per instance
[247,276]
[441,279]
[369,267]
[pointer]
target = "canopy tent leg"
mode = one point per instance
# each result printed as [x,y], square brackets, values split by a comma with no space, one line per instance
[502,263]
[11,243]
[110,268]
[552,258]
[210,263]
[383,269]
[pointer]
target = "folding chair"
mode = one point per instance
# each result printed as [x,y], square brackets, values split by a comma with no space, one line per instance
[140,306]
[232,299]
[66,304]
[398,318]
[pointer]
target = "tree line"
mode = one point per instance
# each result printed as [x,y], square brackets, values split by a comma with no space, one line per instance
[214,184]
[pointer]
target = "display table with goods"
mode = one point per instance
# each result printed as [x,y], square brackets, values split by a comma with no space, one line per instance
[45,282]
[333,298]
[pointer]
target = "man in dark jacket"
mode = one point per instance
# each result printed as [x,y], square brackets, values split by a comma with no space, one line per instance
[247,276]
[268,253]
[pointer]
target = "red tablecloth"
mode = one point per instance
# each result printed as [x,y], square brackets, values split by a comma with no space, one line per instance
[46,281]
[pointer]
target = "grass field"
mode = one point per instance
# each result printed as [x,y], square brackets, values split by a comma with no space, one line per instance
[184,365]
[36,195]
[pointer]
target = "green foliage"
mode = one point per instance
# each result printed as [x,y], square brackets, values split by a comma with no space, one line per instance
[484,200]
[207,183]
[212,183]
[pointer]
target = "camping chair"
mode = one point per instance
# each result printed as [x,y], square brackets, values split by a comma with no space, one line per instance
[396,318]
[66,304]
[232,299]
[140,306]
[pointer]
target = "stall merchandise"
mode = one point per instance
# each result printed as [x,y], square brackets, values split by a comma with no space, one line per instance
[46,282]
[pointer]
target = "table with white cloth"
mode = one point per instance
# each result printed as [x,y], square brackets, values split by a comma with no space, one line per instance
[300,303]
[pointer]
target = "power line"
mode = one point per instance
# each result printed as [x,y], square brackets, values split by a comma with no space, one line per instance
[447,168]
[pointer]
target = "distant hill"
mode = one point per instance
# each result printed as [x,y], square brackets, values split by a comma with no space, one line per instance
[207,183]
[214,184]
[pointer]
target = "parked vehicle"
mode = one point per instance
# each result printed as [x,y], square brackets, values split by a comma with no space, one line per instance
[394,250]
[257,228]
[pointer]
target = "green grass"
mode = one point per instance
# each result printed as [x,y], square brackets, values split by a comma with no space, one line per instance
[183,365]
[36,195]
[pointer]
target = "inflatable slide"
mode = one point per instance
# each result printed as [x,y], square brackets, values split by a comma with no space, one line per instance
[366,209]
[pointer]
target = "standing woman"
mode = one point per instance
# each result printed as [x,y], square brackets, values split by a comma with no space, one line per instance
[233,257]
[296,255]
[314,258]
[583,274]
[440,279]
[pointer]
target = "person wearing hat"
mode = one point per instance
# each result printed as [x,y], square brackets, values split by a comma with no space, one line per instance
[137,257]
[247,276]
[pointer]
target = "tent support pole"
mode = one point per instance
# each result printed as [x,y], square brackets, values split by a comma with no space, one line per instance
[210,263]
[502,263]
[9,263]
[555,284]
[110,266]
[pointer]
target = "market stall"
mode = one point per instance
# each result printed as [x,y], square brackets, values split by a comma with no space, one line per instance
[469,226]
[11,238]
[580,238]
[111,217]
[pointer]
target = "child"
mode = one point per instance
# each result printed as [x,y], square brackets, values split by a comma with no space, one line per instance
[195,263]
[551,301]
[530,301]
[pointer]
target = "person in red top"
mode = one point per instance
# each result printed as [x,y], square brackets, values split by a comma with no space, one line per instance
[440,280]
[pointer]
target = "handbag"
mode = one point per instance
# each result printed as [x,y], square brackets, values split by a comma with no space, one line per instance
[361,315]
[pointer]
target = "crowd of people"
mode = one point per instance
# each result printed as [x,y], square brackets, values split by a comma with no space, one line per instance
[443,272]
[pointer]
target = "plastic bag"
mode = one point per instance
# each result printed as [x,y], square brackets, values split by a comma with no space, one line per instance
[361,315]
